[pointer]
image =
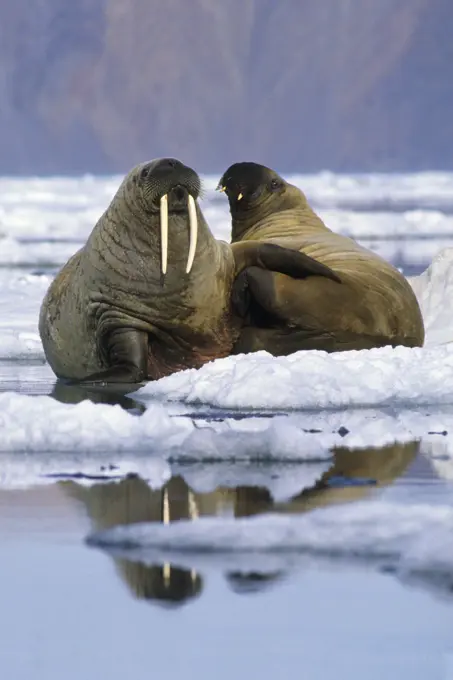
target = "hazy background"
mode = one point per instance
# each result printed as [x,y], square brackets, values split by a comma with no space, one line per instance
[301,85]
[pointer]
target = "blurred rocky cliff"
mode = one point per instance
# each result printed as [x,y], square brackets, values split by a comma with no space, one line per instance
[301,85]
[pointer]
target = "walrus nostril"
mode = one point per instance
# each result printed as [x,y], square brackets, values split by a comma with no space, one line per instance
[180,194]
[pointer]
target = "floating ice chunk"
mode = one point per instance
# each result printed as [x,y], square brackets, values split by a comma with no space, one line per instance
[434,291]
[19,471]
[41,424]
[314,380]
[412,538]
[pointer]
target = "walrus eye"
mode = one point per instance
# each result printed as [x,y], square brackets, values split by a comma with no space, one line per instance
[275,185]
[145,173]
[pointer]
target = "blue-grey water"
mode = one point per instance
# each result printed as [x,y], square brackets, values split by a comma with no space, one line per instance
[70,611]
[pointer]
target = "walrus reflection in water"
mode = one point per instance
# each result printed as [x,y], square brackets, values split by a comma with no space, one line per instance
[374,467]
[373,306]
[150,292]
[132,500]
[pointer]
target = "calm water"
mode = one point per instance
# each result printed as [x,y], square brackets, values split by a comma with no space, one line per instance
[71,611]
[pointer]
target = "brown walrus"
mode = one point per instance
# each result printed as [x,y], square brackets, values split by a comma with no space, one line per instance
[150,292]
[371,304]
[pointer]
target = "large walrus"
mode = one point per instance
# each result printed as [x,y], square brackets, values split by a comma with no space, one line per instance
[150,292]
[370,304]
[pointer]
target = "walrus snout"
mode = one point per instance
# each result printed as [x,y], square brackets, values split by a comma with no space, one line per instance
[160,176]
[180,198]
[175,187]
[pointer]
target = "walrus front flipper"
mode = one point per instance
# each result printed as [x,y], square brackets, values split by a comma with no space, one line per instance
[126,350]
[279,259]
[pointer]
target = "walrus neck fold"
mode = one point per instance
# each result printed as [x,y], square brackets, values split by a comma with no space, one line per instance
[287,221]
[267,217]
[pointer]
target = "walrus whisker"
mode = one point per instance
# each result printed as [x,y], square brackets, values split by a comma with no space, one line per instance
[193,228]
[164,232]
[201,190]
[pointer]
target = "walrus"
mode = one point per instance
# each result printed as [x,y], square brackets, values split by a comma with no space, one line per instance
[150,291]
[369,304]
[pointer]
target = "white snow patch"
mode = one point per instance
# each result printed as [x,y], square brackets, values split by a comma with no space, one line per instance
[59,207]
[14,253]
[20,345]
[315,379]
[378,191]
[20,298]
[434,291]
[42,425]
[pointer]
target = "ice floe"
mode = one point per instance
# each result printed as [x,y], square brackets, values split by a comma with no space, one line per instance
[41,426]
[410,539]
[316,380]
[434,291]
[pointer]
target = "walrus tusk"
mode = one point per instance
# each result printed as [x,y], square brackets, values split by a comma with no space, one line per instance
[193,227]
[164,232]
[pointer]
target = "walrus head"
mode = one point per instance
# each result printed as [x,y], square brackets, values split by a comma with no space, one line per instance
[161,187]
[254,192]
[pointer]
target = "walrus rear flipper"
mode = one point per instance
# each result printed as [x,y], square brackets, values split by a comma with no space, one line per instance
[285,341]
[279,317]
[126,350]
[281,341]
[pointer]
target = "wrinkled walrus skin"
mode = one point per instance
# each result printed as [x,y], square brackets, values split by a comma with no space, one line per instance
[371,304]
[132,305]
